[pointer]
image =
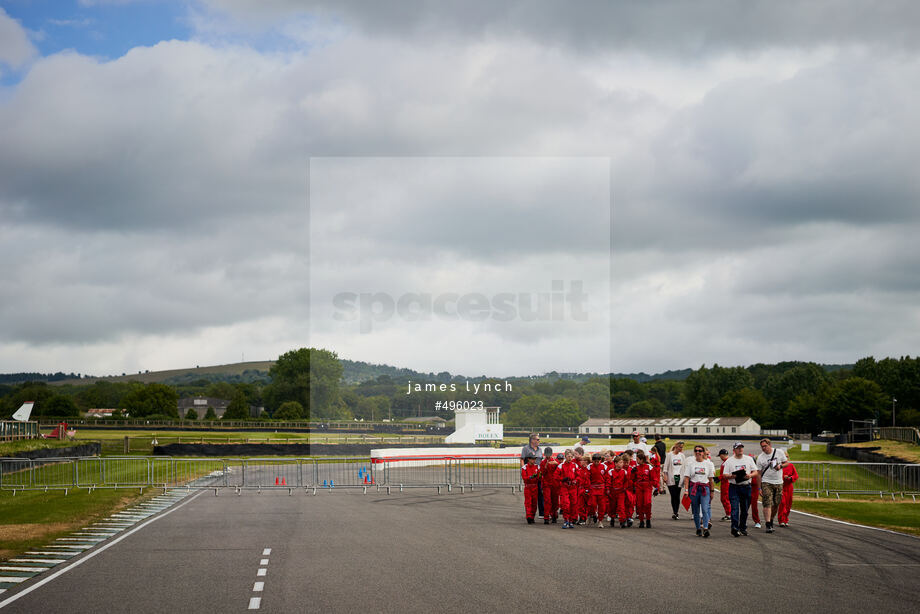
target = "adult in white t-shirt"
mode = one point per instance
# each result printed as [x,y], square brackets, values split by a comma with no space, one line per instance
[671,471]
[697,480]
[636,444]
[739,468]
[770,463]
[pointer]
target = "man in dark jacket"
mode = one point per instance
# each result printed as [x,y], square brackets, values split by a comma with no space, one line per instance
[660,448]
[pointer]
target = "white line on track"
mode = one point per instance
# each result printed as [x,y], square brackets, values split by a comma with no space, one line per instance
[258,587]
[874,564]
[82,560]
[266,552]
[49,561]
[261,572]
[254,603]
[263,562]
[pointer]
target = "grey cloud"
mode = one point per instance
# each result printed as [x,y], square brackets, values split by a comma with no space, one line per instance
[687,30]
[833,144]
[15,47]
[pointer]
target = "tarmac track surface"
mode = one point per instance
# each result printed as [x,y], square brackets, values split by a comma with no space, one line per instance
[342,551]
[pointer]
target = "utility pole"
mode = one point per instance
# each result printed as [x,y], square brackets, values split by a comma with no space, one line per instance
[893,401]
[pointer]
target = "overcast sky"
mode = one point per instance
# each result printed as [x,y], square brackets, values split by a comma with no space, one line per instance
[193,182]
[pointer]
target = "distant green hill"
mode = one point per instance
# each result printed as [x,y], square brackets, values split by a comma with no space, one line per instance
[354,372]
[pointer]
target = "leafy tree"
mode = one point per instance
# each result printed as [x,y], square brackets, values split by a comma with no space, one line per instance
[238,409]
[220,390]
[61,406]
[528,410]
[854,398]
[210,414]
[594,398]
[781,388]
[103,394]
[803,410]
[191,414]
[704,388]
[562,412]
[151,399]
[746,402]
[649,408]
[310,377]
[289,410]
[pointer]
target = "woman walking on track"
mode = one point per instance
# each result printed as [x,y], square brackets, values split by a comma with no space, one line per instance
[671,472]
[698,474]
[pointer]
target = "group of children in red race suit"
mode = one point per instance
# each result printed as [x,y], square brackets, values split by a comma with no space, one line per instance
[615,486]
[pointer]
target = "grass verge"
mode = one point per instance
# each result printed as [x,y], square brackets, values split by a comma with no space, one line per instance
[31,519]
[12,448]
[899,449]
[903,516]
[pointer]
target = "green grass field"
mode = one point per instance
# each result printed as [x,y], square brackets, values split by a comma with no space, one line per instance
[30,519]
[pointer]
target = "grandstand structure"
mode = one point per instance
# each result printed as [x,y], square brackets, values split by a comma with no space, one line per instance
[743,426]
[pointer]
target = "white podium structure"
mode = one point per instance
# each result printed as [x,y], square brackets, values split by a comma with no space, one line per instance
[476,424]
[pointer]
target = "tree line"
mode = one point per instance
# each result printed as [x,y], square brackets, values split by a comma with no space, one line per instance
[308,383]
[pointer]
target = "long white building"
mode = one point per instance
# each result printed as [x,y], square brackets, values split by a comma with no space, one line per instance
[668,427]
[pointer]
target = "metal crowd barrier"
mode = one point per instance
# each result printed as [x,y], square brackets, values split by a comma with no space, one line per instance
[16,474]
[816,477]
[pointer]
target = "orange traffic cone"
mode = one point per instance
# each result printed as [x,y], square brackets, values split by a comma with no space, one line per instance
[284,481]
[277,481]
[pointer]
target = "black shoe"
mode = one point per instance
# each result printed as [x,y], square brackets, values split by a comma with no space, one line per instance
[743,532]
[546,521]
[629,522]
[706,533]
[770,527]
[724,518]
[622,525]
[648,523]
[530,521]
[709,526]
[699,532]
[735,533]
[554,520]
[675,517]
[641,524]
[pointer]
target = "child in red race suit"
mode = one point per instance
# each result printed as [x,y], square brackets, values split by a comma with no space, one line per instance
[655,462]
[617,483]
[550,486]
[583,483]
[755,492]
[629,464]
[790,476]
[568,490]
[530,473]
[597,503]
[643,482]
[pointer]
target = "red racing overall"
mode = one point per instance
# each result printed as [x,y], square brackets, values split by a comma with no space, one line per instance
[568,491]
[643,482]
[550,488]
[531,475]
[617,483]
